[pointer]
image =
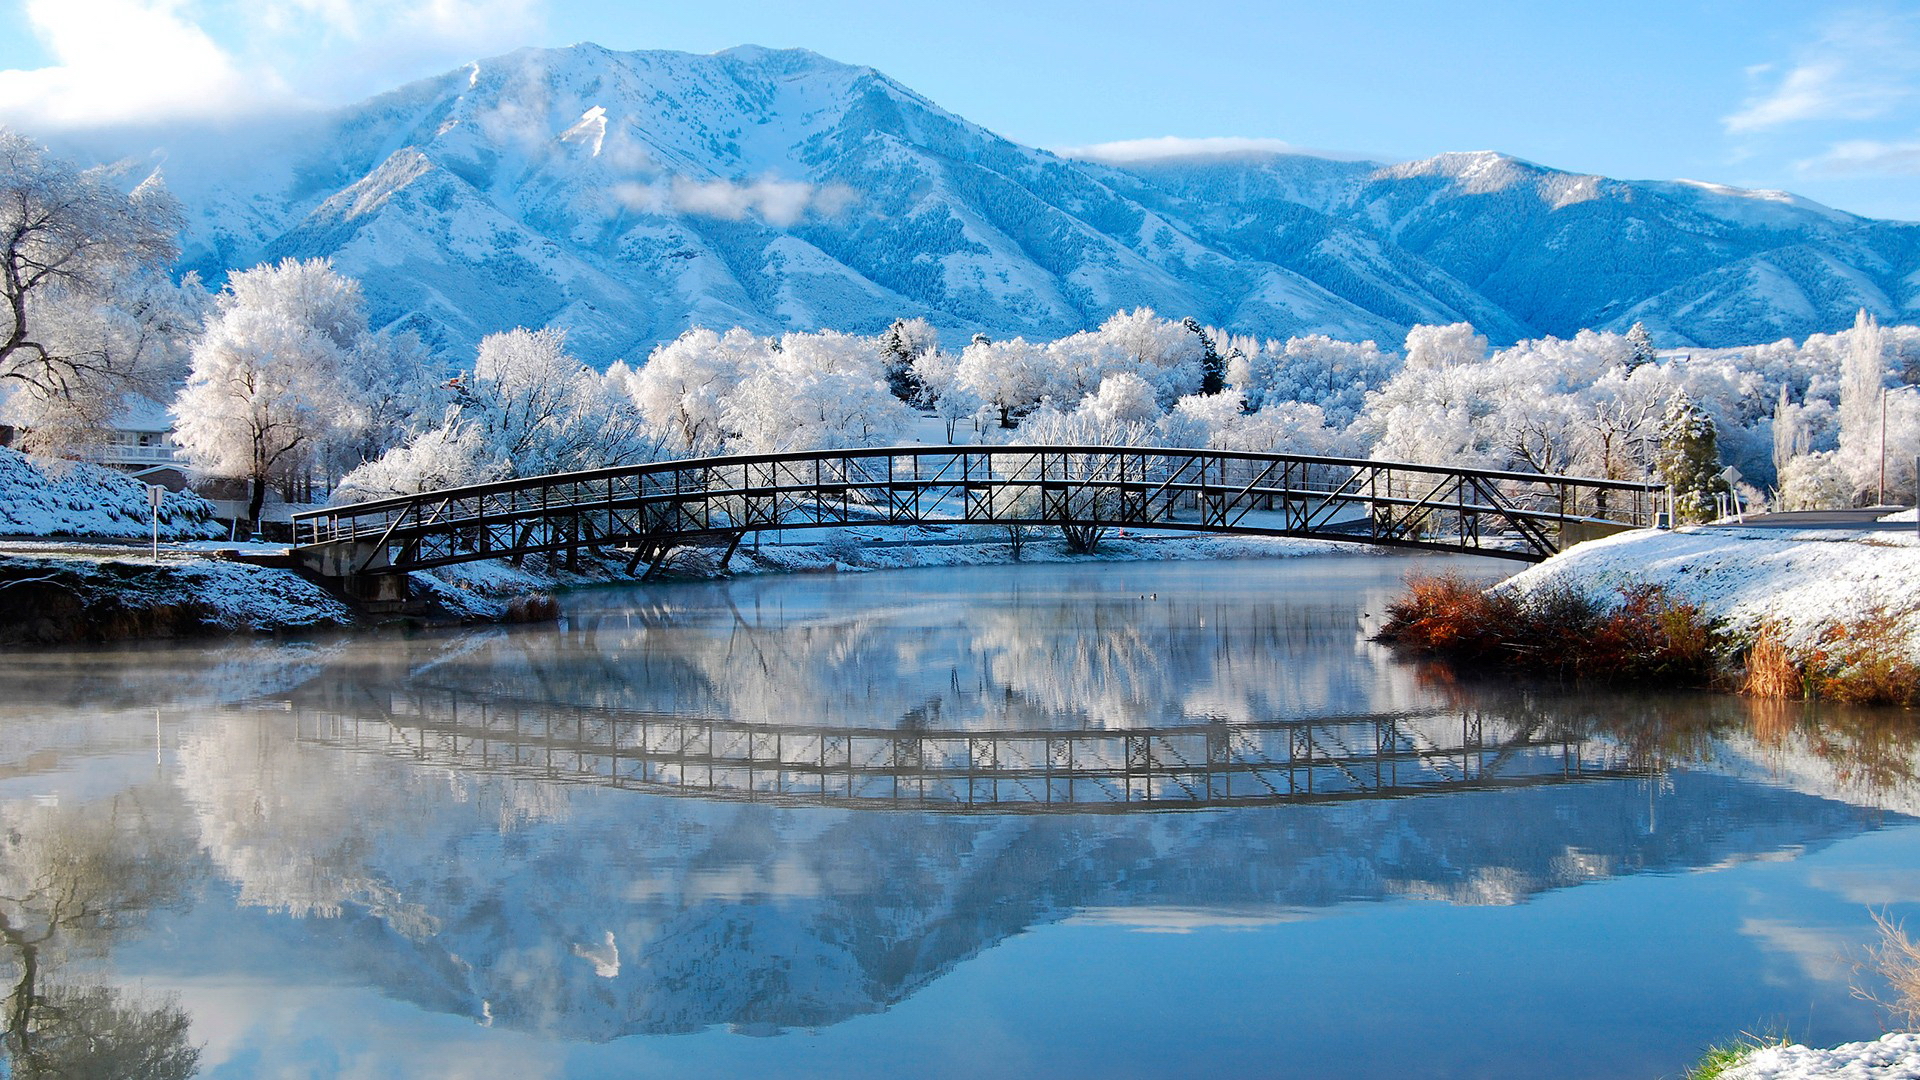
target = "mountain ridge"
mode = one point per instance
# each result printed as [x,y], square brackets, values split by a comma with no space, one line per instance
[629,195]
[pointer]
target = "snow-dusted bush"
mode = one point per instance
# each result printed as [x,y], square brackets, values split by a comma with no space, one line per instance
[67,498]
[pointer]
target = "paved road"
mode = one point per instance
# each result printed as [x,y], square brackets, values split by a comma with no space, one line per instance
[1867,520]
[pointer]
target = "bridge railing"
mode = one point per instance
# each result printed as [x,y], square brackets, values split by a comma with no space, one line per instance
[1206,762]
[1097,485]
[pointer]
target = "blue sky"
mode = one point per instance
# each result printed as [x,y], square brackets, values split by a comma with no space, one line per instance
[1822,99]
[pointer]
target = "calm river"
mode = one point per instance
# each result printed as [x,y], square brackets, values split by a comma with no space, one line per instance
[1105,820]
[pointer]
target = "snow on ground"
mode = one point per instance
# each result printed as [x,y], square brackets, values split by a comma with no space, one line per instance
[1903,515]
[1803,581]
[1894,1056]
[257,598]
[77,499]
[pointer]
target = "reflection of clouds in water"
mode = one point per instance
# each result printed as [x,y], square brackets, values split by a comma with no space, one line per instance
[274,1034]
[1821,953]
[1882,888]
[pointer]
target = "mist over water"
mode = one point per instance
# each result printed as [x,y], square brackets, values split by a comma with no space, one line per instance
[1029,820]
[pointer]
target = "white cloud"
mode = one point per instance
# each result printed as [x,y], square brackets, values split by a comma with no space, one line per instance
[780,203]
[1866,157]
[122,60]
[1169,147]
[1861,67]
[117,61]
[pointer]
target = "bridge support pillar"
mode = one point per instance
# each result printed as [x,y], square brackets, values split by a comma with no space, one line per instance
[354,569]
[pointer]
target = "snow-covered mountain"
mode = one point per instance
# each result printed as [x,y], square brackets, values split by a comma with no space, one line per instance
[628,195]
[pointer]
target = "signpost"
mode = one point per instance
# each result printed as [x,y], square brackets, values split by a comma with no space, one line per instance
[155,493]
[1731,476]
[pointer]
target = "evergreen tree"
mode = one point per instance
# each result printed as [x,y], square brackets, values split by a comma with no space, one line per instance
[1213,368]
[1689,459]
[1641,343]
[903,343]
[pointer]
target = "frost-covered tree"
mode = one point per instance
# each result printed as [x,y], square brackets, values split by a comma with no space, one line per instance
[272,389]
[938,376]
[1436,347]
[683,387]
[1009,377]
[1863,379]
[1125,398]
[903,343]
[528,408]
[819,391]
[1816,481]
[1436,416]
[1213,366]
[1159,350]
[1689,459]
[539,410]
[89,316]
[1791,437]
[1317,369]
[1641,345]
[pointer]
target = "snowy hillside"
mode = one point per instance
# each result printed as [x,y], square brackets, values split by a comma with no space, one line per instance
[628,196]
[75,499]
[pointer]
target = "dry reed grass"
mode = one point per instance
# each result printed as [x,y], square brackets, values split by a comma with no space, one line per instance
[1772,672]
[538,607]
[1896,957]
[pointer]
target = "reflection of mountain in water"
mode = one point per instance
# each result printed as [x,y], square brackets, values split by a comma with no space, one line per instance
[408,818]
[595,913]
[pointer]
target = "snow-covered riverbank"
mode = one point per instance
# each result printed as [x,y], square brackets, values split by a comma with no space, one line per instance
[1801,582]
[1895,1056]
[106,595]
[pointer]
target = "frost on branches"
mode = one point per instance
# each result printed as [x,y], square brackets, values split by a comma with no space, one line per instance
[287,379]
[528,408]
[91,316]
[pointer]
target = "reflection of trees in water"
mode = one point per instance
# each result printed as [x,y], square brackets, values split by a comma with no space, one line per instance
[1852,753]
[1041,661]
[638,914]
[72,879]
[1868,753]
[139,676]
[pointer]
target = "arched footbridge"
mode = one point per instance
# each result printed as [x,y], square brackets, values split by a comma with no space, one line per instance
[646,511]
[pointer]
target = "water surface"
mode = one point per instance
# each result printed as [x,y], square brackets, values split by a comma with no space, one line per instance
[1094,820]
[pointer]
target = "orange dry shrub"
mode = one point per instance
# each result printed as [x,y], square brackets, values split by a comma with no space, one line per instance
[1563,630]
[1450,616]
[1651,634]
[1865,662]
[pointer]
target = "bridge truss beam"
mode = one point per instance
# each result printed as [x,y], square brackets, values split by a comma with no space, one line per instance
[646,510]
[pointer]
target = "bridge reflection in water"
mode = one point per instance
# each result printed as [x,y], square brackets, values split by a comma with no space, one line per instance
[1206,764]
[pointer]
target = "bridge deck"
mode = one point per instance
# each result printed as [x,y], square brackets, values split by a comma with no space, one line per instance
[651,508]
